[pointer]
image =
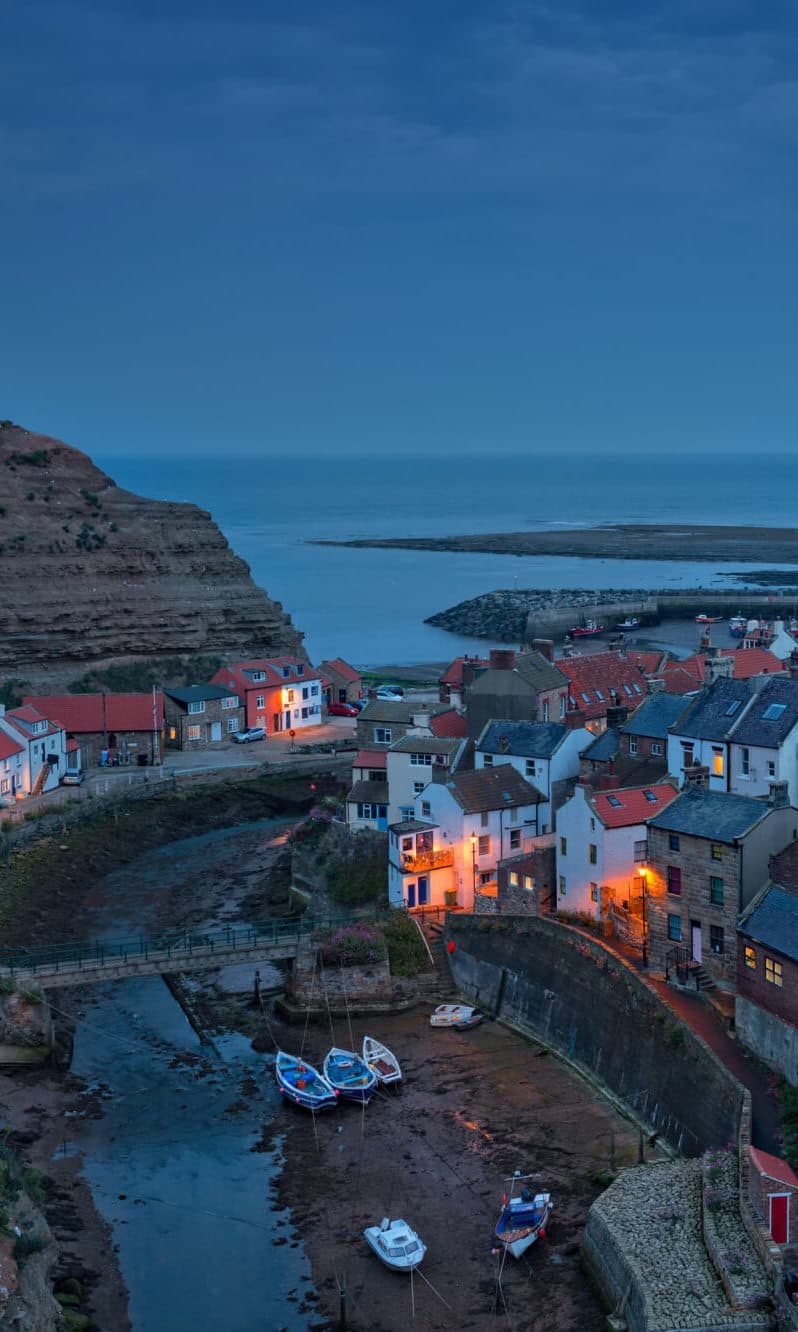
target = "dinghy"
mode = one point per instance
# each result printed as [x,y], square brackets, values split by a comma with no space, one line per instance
[382,1061]
[459,1016]
[396,1244]
[524,1216]
[302,1084]
[349,1075]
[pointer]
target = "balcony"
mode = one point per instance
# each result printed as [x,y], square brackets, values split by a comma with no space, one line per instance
[426,860]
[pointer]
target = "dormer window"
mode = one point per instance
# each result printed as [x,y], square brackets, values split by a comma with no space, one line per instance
[256,676]
[286,672]
[300,670]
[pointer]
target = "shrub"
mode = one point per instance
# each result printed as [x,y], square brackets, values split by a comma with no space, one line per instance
[361,876]
[25,1245]
[353,945]
[406,952]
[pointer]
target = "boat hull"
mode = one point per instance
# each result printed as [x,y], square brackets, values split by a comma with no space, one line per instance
[452,1015]
[390,1244]
[382,1061]
[350,1076]
[521,1225]
[303,1085]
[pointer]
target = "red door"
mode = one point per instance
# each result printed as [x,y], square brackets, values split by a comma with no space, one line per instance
[779,1217]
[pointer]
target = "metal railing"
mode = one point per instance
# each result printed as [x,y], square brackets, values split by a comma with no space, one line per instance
[427,860]
[680,960]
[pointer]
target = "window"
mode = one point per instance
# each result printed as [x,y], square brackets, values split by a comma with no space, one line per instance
[674,880]
[407,844]
[593,853]
[562,885]
[687,754]
[421,760]
[290,696]
[592,825]
[304,714]
[231,702]
[750,958]
[376,774]
[600,696]
[656,749]
[515,839]
[305,692]
[674,928]
[632,744]
[733,707]
[562,706]
[745,762]
[232,724]
[487,760]
[195,732]
[513,878]
[716,939]
[716,851]
[382,735]
[628,690]
[483,846]
[771,768]
[515,814]
[773,972]
[594,892]
[529,883]
[563,846]
[286,672]
[530,768]
[774,711]
[256,676]
[717,761]
[364,811]
[485,878]
[716,894]
[615,802]
[650,797]
[585,697]
[418,787]
[636,687]
[300,670]
[172,736]
[197,706]
[544,710]
[426,809]
[484,818]
[314,689]
[260,701]
[673,841]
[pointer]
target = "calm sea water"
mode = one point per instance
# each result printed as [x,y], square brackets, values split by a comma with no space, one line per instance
[369,605]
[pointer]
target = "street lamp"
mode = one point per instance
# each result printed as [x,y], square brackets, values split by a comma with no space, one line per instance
[474,860]
[644,877]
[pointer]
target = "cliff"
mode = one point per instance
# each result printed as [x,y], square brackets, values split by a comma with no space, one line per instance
[92,575]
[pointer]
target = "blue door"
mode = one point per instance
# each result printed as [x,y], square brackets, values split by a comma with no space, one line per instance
[382,818]
[423,889]
[411,894]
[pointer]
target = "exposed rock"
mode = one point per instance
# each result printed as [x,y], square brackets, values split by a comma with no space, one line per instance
[92,575]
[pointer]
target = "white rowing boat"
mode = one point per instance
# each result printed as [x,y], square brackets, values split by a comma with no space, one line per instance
[382,1061]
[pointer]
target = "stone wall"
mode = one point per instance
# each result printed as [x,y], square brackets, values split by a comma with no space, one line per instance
[770,1038]
[338,989]
[556,985]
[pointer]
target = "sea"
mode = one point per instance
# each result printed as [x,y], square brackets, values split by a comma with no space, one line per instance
[369,606]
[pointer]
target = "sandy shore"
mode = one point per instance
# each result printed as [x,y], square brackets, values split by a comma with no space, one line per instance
[622,542]
[473,1108]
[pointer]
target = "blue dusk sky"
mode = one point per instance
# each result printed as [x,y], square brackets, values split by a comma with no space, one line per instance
[461,225]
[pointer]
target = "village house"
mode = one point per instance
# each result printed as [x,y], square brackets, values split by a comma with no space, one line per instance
[599,682]
[708,855]
[464,824]
[517,686]
[449,724]
[33,753]
[601,848]
[341,682]
[278,693]
[644,735]
[764,741]
[367,797]
[384,721]
[701,736]
[525,882]
[202,716]
[410,764]
[453,684]
[766,1005]
[109,728]
[688,676]
[545,753]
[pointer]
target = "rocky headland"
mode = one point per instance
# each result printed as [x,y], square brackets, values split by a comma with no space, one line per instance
[93,575]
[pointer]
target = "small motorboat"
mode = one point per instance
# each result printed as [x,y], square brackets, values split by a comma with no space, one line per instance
[301,1083]
[459,1016]
[737,626]
[707,619]
[587,628]
[349,1075]
[631,622]
[396,1244]
[382,1061]
[524,1216]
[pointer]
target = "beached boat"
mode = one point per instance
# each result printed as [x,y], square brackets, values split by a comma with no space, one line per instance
[301,1083]
[349,1075]
[707,619]
[631,622]
[382,1061]
[587,629]
[396,1244]
[524,1216]
[459,1016]
[737,626]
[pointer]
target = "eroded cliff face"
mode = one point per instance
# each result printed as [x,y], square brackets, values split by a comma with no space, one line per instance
[92,575]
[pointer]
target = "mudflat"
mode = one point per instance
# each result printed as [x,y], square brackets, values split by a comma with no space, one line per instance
[618,542]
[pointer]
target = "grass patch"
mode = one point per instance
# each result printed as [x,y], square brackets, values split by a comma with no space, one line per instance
[407,955]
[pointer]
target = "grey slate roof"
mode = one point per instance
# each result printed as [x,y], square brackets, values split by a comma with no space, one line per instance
[531,669]
[199,693]
[714,712]
[655,716]
[720,816]
[412,825]
[426,744]
[368,793]
[524,739]
[753,729]
[380,710]
[605,746]
[500,787]
[774,923]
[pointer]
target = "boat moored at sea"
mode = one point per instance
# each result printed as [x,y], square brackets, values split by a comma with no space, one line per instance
[382,1061]
[737,626]
[707,619]
[524,1216]
[349,1075]
[631,622]
[587,629]
[396,1244]
[302,1084]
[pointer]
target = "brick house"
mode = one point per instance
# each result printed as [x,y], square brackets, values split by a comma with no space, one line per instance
[602,681]
[342,683]
[277,693]
[766,1006]
[525,884]
[459,674]
[128,728]
[644,735]
[382,722]
[517,686]
[201,716]
[773,1189]
[708,855]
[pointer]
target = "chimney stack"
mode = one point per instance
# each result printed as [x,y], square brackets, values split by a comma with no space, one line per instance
[545,646]
[617,714]
[502,659]
[778,795]
[697,775]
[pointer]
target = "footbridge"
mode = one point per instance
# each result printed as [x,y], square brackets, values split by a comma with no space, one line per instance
[58,965]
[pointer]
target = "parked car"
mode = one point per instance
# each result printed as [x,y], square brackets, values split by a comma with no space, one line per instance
[244,737]
[343,710]
[360,703]
[389,694]
[73,778]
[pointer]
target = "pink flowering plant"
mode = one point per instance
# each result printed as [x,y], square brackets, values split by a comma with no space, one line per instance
[353,945]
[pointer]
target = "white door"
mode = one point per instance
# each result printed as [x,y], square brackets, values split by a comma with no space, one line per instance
[695,931]
[216,730]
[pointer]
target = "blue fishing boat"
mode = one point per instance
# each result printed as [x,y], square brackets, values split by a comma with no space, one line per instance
[524,1216]
[349,1075]
[300,1083]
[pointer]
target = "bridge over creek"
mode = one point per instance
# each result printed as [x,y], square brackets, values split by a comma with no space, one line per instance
[59,965]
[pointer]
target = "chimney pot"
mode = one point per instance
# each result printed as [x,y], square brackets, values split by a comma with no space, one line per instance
[502,659]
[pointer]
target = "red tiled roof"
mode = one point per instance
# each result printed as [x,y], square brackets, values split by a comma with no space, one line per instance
[593,678]
[83,713]
[450,725]
[233,676]
[8,747]
[773,1167]
[683,676]
[649,662]
[453,675]
[679,680]
[630,804]
[31,716]
[371,758]
[71,746]
[26,714]
[323,679]
[343,669]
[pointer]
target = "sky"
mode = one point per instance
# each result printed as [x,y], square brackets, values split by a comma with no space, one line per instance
[451,226]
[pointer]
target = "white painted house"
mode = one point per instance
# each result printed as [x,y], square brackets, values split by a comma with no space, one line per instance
[601,838]
[545,753]
[33,756]
[410,765]
[463,825]
[764,741]
[702,735]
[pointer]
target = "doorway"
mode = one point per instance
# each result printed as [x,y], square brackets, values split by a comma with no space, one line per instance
[779,1217]
[423,889]
[411,895]
[695,939]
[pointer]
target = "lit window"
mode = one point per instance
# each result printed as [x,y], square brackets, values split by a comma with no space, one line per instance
[195,732]
[483,846]
[529,883]
[716,939]
[290,695]
[717,761]
[593,853]
[716,851]
[773,972]
[674,880]
[750,958]
[172,734]
[674,928]
[563,846]
[513,878]
[594,892]
[716,891]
